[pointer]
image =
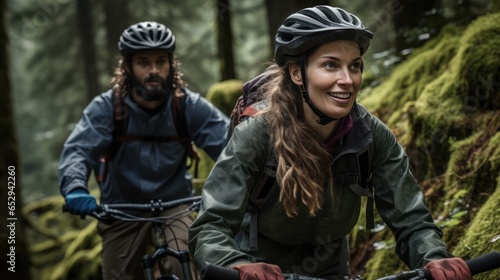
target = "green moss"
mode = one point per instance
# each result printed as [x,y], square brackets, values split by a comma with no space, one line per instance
[383,262]
[224,94]
[84,264]
[86,239]
[465,87]
[408,79]
[442,104]
[483,235]
[494,151]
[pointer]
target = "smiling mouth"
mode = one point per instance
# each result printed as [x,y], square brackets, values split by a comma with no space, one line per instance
[340,95]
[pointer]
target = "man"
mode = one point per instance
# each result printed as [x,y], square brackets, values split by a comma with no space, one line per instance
[149,84]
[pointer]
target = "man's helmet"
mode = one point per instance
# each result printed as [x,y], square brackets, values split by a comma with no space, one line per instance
[311,27]
[146,36]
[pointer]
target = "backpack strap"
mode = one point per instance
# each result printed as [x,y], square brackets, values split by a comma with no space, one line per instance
[266,191]
[264,195]
[179,113]
[120,119]
[344,255]
[362,186]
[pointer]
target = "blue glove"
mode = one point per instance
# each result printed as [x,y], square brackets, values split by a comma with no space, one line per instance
[80,202]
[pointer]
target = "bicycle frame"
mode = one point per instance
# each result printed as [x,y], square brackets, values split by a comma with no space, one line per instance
[110,212]
[162,251]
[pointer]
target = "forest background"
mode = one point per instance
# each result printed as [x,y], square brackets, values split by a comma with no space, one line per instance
[56,55]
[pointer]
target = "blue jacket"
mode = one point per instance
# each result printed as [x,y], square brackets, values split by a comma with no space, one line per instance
[140,170]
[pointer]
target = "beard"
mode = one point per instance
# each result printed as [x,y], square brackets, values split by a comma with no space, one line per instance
[159,93]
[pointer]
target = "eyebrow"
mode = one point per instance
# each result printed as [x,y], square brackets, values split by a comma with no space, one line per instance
[338,59]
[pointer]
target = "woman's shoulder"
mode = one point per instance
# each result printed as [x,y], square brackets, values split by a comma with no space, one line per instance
[371,120]
[252,132]
[253,125]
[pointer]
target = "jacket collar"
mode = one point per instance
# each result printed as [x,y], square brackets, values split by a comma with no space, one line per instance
[358,137]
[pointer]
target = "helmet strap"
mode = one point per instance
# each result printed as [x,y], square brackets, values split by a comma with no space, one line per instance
[323,119]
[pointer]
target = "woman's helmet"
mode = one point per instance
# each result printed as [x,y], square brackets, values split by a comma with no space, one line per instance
[145,36]
[311,27]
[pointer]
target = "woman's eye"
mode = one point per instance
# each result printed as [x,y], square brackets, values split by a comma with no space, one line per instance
[330,65]
[356,66]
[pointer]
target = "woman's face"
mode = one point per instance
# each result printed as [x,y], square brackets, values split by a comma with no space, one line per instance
[333,78]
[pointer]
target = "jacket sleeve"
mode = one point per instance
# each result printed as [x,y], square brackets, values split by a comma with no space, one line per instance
[400,202]
[225,197]
[206,124]
[85,144]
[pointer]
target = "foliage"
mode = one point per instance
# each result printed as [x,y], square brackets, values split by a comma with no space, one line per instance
[225,94]
[484,234]
[48,73]
[442,104]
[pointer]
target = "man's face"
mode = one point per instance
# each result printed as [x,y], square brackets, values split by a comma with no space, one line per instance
[150,69]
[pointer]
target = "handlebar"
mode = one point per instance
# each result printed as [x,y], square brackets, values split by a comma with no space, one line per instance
[476,265]
[152,206]
[115,211]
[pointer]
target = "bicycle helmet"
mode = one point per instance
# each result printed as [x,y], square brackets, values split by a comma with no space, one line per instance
[314,26]
[144,36]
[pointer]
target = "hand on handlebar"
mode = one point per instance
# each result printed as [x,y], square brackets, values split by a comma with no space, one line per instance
[259,271]
[80,202]
[449,269]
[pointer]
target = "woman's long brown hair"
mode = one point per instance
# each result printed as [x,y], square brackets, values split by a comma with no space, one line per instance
[304,165]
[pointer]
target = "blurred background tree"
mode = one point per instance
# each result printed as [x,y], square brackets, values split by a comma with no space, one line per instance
[13,242]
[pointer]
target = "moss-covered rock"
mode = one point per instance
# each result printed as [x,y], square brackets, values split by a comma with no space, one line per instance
[443,105]
[483,234]
[224,94]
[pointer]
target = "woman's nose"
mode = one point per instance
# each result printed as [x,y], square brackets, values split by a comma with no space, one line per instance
[344,77]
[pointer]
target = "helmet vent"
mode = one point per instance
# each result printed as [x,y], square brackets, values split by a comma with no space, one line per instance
[344,15]
[146,35]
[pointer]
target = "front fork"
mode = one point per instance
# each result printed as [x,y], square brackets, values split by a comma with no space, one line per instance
[162,251]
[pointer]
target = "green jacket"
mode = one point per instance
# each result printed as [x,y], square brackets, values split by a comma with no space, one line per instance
[303,244]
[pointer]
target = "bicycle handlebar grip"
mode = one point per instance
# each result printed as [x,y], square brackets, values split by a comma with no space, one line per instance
[65,209]
[214,272]
[484,263]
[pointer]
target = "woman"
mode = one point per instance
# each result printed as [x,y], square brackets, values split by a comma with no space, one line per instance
[311,124]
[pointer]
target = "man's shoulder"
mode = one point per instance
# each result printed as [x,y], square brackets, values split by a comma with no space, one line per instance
[102,103]
[105,95]
[103,98]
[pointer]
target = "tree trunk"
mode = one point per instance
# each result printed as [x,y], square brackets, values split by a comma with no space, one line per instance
[84,27]
[412,23]
[116,19]
[278,11]
[225,40]
[13,242]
